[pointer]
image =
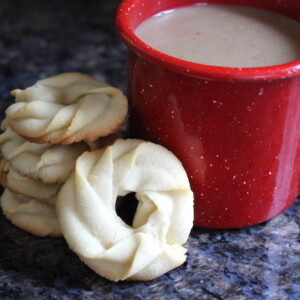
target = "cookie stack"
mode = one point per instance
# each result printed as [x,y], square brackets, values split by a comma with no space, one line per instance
[55,185]
[47,128]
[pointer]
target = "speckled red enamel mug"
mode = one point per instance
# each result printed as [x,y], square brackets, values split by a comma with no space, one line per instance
[236,130]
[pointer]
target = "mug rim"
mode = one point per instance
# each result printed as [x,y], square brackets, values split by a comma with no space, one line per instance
[193,69]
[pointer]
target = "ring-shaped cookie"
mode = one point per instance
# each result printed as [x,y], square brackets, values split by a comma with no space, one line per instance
[30,214]
[86,210]
[45,162]
[67,108]
[17,183]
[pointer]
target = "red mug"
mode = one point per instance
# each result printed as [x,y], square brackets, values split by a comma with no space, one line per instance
[236,130]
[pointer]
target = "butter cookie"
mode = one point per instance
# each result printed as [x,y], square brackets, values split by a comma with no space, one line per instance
[46,162]
[67,108]
[86,209]
[30,215]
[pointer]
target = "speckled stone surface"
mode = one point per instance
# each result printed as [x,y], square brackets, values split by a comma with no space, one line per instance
[43,38]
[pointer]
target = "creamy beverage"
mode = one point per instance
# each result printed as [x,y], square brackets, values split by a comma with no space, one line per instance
[231,36]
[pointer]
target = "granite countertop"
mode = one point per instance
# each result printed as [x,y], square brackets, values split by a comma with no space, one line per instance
[43,38]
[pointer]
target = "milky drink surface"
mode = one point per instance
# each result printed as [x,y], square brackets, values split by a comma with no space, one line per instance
[219,35]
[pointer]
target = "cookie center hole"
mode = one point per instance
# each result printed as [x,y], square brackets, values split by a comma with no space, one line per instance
[126,208]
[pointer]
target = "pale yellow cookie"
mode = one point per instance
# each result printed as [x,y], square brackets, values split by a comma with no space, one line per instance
[86,211]
[67,108]
[15,182]
[45,162]
[30,215]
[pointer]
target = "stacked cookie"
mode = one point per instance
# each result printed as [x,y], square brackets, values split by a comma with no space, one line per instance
[45,131]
